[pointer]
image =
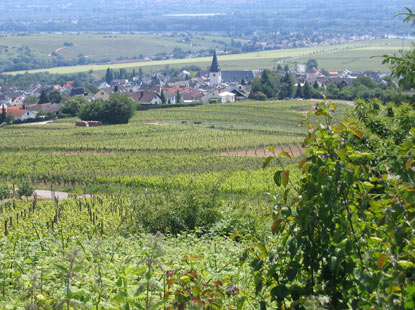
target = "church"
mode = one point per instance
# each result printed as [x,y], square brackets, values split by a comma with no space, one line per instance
[217,76]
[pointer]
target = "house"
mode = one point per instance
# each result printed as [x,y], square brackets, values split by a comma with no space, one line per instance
[227,97]
[146,97]
[191,96]
[104,85]
[237,76]
[214,94]
[104,93]
[47,108]
[240,92]
[20,114]
[77,92]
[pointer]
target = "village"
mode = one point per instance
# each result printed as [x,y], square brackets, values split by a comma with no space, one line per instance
[209,86]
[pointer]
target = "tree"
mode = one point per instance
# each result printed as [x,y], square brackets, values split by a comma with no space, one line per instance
[307,91]
[315,85]
[178,97]
[118,109]
[43,97]
[286,89]
[109,76]
[311,63]
[25,189]
[162,97]
[30,100]
[55,96]
[92,111]
[73,105]
[299,91]
[403,66]
[3,114]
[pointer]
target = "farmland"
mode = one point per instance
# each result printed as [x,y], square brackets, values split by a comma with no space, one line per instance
[147,176]
[354,56]
[111,46]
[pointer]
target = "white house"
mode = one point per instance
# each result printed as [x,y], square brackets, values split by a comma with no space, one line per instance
[214,94]
[227,97]
[20,114]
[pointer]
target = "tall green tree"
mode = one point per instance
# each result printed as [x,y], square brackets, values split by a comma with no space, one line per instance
[299,91]
[307,91]
[3,114]
[162,97]
[109,77]
[43,97]
[55,96]
[311,63]
[73,105]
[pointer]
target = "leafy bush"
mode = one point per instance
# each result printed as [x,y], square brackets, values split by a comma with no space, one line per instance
[117,110]
[5,192]
[25,189]
[346,235]
[177,213]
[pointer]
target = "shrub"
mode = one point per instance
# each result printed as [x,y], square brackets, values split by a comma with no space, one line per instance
[25,189]
[5,192]
[177,213]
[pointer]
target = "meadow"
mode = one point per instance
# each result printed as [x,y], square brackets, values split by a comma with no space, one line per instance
[169,220]
[112,46]
[354,56]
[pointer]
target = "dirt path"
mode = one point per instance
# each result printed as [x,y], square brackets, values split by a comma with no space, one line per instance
[44,194]
[36,123]
[293,150]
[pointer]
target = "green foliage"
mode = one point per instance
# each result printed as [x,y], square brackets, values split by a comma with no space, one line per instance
[311,63]
[175,214]
[5,192]
[403,66]
[73,105]
[25,189]
[43,97]
[55,96]
[117,110]
[307,91]
[332,229]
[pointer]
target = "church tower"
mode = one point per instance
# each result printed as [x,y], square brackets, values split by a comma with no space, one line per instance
[215,74]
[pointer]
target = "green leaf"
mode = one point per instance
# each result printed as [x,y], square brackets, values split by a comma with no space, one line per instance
[262,248]
[267,161]
[383,258]
[405,264]
[285,177]
[280,292]
[357,133]
[284,154]
[342,154]
[277,177]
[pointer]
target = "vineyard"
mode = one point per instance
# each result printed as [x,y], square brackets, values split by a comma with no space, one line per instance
[169,218]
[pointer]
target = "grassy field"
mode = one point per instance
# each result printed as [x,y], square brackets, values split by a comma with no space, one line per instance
[112,46]
[353,56]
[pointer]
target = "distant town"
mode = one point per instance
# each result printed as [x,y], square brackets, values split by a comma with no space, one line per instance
[39,102]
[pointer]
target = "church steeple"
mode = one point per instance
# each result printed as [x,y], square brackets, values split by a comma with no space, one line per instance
[215,64]
[215,74]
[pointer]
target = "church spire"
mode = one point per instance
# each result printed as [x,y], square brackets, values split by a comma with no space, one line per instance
[215,64]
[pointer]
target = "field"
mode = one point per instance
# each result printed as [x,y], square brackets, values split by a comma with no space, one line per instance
[112,46]
[354,56]
[160,173]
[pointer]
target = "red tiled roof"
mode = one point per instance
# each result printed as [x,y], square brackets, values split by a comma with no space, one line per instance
[16,111]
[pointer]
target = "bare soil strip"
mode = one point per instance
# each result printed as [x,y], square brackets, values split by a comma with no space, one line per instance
[292,149]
